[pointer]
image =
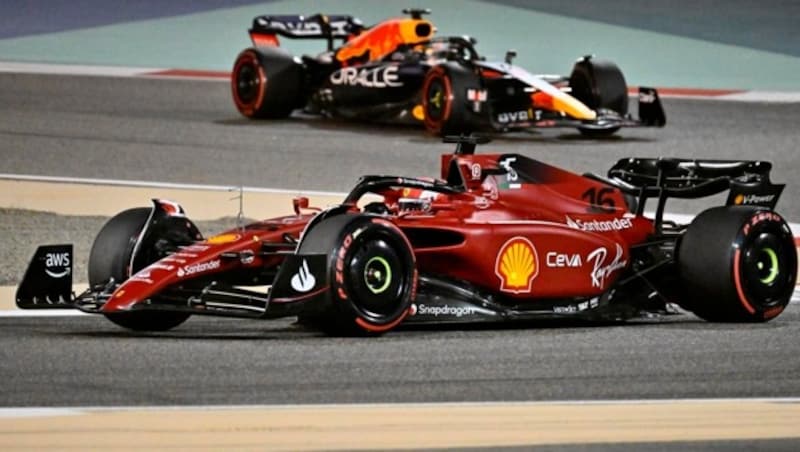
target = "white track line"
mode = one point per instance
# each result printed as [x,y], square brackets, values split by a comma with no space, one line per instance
[169,185]
[762,96]
[47,411]
[44,313]
[73,69]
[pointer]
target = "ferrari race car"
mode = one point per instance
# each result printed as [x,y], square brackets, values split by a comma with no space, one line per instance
[398,70]
[499,237]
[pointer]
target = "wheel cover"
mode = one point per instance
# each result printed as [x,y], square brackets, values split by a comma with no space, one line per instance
[248,83]
[435,99]
[376,280]
[766,268]
[768,265]
[377,275]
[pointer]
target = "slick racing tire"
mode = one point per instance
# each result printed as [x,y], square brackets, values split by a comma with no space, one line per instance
[600,85]
[266,83]
[444,100]
[110,257]
[737,264]
[372,274]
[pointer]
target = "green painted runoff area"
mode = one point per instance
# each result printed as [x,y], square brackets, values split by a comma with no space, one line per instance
[545,43]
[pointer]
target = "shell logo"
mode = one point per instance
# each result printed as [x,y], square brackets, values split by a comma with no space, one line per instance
[739,199]
[517,265]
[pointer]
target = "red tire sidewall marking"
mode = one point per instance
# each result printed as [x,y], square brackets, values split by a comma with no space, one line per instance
[768,313]
[249,109]
[432,125]
[738,282]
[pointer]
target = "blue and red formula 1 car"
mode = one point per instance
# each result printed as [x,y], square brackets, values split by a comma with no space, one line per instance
[398,70]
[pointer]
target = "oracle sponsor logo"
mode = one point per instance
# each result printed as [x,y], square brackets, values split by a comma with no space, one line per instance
[303,28]
[617,224]
[188,270]
[379,77]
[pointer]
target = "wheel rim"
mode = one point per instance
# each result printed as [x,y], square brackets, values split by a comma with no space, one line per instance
[435,99]
[377,275]
[766,269]
[248,83]
[376,279]
[768,265]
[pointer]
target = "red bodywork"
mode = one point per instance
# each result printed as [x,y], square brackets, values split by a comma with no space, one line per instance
[514,226]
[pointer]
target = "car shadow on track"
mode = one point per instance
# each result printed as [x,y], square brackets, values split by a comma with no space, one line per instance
[244,330]
[418,135]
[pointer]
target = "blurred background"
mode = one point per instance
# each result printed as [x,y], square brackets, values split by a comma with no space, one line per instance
[735,44]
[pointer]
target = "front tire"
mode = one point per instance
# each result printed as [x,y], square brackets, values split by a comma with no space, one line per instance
[600,85]
[110,257]
[372,274]
[738,264]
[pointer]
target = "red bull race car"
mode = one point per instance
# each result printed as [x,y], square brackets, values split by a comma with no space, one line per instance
[499,237]
[398,70]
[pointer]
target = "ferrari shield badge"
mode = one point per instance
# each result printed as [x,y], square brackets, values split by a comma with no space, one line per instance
[517,265]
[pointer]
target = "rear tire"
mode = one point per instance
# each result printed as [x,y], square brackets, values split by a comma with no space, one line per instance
[600,85]
[266,83]
[738,264]
[110,257]
[444,100]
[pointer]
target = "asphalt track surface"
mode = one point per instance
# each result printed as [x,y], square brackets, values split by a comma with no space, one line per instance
[87,361]
[183,131]
[189,131]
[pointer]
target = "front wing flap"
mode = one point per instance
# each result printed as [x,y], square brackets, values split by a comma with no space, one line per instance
[651,114]
[47,283]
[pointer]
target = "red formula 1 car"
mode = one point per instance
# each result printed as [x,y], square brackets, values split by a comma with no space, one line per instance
[398,70]
[499,237]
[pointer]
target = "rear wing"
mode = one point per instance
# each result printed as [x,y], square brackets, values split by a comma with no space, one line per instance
[266,28]
[747,181]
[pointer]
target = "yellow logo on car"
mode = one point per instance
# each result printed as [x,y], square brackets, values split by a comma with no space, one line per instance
[223,238]
[517,265]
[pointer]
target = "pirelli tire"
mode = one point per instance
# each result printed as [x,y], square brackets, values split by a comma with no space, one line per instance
[110,257]
[600,85]
[737,264]
[372,274]
[444,100]
[267,83]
